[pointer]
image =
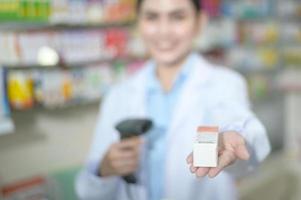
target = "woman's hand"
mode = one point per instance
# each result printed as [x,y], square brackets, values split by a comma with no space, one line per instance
[232,146]
[122,158]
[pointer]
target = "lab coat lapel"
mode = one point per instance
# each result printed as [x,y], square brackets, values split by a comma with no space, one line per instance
[190,97]
[138,92]
[137,108]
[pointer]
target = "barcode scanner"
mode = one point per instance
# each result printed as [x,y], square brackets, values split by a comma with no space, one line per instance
[130,128]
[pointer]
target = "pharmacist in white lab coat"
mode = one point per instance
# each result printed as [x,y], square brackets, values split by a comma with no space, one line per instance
[179,90]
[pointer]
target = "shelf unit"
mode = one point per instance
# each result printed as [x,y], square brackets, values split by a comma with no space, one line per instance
[35,26]
[264,74]
[74,76]
[263,79]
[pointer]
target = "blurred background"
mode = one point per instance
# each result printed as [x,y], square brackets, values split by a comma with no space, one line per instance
[59,57]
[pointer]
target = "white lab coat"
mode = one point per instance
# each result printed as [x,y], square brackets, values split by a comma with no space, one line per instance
[212,95]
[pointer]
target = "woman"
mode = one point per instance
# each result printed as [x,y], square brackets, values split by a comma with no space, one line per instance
[179,91]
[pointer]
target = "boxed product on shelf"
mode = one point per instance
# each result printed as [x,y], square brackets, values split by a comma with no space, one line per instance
[115,12]
[135,46]
[289,80]
[269,57]
[251,59]
[97,81]
[259,33]
[116,41]
[9,10]
[8,49]
[247,9]
[259,86]
[30,43]
[92,11]
[6,123]
[292,56]
[54,88]
[32,10]
[212,7]
[57,87]
[120,70]
[291,33]
[212,37]
[4,109]
[59,11]
[76,12]
[79,46]
[289,9]
[73,46]
[95,12]
[20,87]
[68,11]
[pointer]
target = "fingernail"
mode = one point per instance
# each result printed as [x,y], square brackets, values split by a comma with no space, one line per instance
[198,177]
[246,155]
[210,176]
[193,169]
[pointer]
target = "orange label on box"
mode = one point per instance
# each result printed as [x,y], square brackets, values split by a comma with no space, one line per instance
[208,129]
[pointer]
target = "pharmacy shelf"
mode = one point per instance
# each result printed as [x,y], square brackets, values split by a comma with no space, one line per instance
[289,80]
[290,19]
[62,108]
[259,45]
[263,71]
[126,59]
[257,19]
[30,26]
[49,67]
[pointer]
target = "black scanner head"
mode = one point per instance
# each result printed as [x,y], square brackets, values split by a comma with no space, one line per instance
[133,127]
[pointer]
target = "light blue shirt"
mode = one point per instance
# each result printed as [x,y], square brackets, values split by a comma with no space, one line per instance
[160,106]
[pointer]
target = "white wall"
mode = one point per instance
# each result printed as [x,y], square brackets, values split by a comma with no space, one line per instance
[46,141]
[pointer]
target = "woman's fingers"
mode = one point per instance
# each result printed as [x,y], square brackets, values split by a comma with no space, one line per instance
[193,169]
[128,169]
[189,159]
[202,171]
[233,147]
[242,152]
[130,143]
[226,158]
[125,166]
[126,155]
[199,171]
[121,158]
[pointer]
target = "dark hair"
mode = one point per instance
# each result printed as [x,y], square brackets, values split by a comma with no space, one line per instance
[196,4]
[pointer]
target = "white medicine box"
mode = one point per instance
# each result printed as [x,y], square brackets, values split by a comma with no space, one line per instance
[205,148]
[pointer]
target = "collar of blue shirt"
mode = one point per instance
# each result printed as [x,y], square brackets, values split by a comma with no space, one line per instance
[153,83]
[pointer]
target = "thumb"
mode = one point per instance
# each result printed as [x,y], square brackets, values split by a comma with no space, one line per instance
[242,152]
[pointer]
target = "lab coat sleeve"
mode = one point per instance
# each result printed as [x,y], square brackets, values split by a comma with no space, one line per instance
[235,115]
[89,185]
